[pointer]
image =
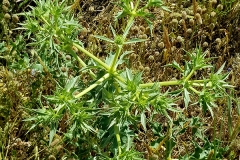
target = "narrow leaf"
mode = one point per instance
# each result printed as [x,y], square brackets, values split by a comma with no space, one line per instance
[134,40]
[221,68]
[143,121]
[104,38]
[70,84]
[113,31]
[127,29]
[52,132]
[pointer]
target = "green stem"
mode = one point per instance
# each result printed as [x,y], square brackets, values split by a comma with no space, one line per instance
[120,78]
[113,65]
[210,155]
[45,20]
[96,59]
[136,6]
[189,75]
[116,131]
[119,49]
[92,86]
[194,90]
[165,83]
[80,61]
[177,82]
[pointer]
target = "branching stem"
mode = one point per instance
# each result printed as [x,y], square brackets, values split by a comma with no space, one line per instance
[92,86]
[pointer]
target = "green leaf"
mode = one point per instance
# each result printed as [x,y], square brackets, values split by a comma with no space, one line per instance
[104,38]
[37,67]
[129,74]
[135,40]
[127,29]
[114,121]
[169,147]
[174,109]
[221,68]
[210,109]
[53,129]
[143,121]
[121,59]
[166,8]
[113,31]
[175,65]
[71,83]
[186,97]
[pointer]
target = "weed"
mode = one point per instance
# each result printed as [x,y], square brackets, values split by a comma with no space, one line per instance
[92,107]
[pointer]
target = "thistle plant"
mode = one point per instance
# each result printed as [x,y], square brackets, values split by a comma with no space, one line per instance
[104,112]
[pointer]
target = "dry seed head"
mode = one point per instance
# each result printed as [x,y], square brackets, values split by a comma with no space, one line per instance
[133,56]
[218,41]
[142,29]
[151,58]
[7,16]
[147,69]
[213,2]
[84,31]
[135,29]
[199,18]
[173,48]
[146,10]
[205,44]
[141,68]
[91,8]
[144,36]
[174,21]
[5,8]
[220,7]
[207,53]
[217,47]
[161,45]
[189,30]
[204,10]
[153,46]
[180,39]
[156,54]
[138,63]
[212,25]
[63,69]
[181,21]
[213,14]
[199,10]
[147,30]
[184,15]
[68,57]
[51,157]
[91,38]
[6,3]
[15,18]
[191,22]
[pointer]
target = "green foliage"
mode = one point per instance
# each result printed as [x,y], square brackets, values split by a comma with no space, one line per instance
[100,116]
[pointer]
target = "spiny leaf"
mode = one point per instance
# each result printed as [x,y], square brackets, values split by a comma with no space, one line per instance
[104,38]
[143,121]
